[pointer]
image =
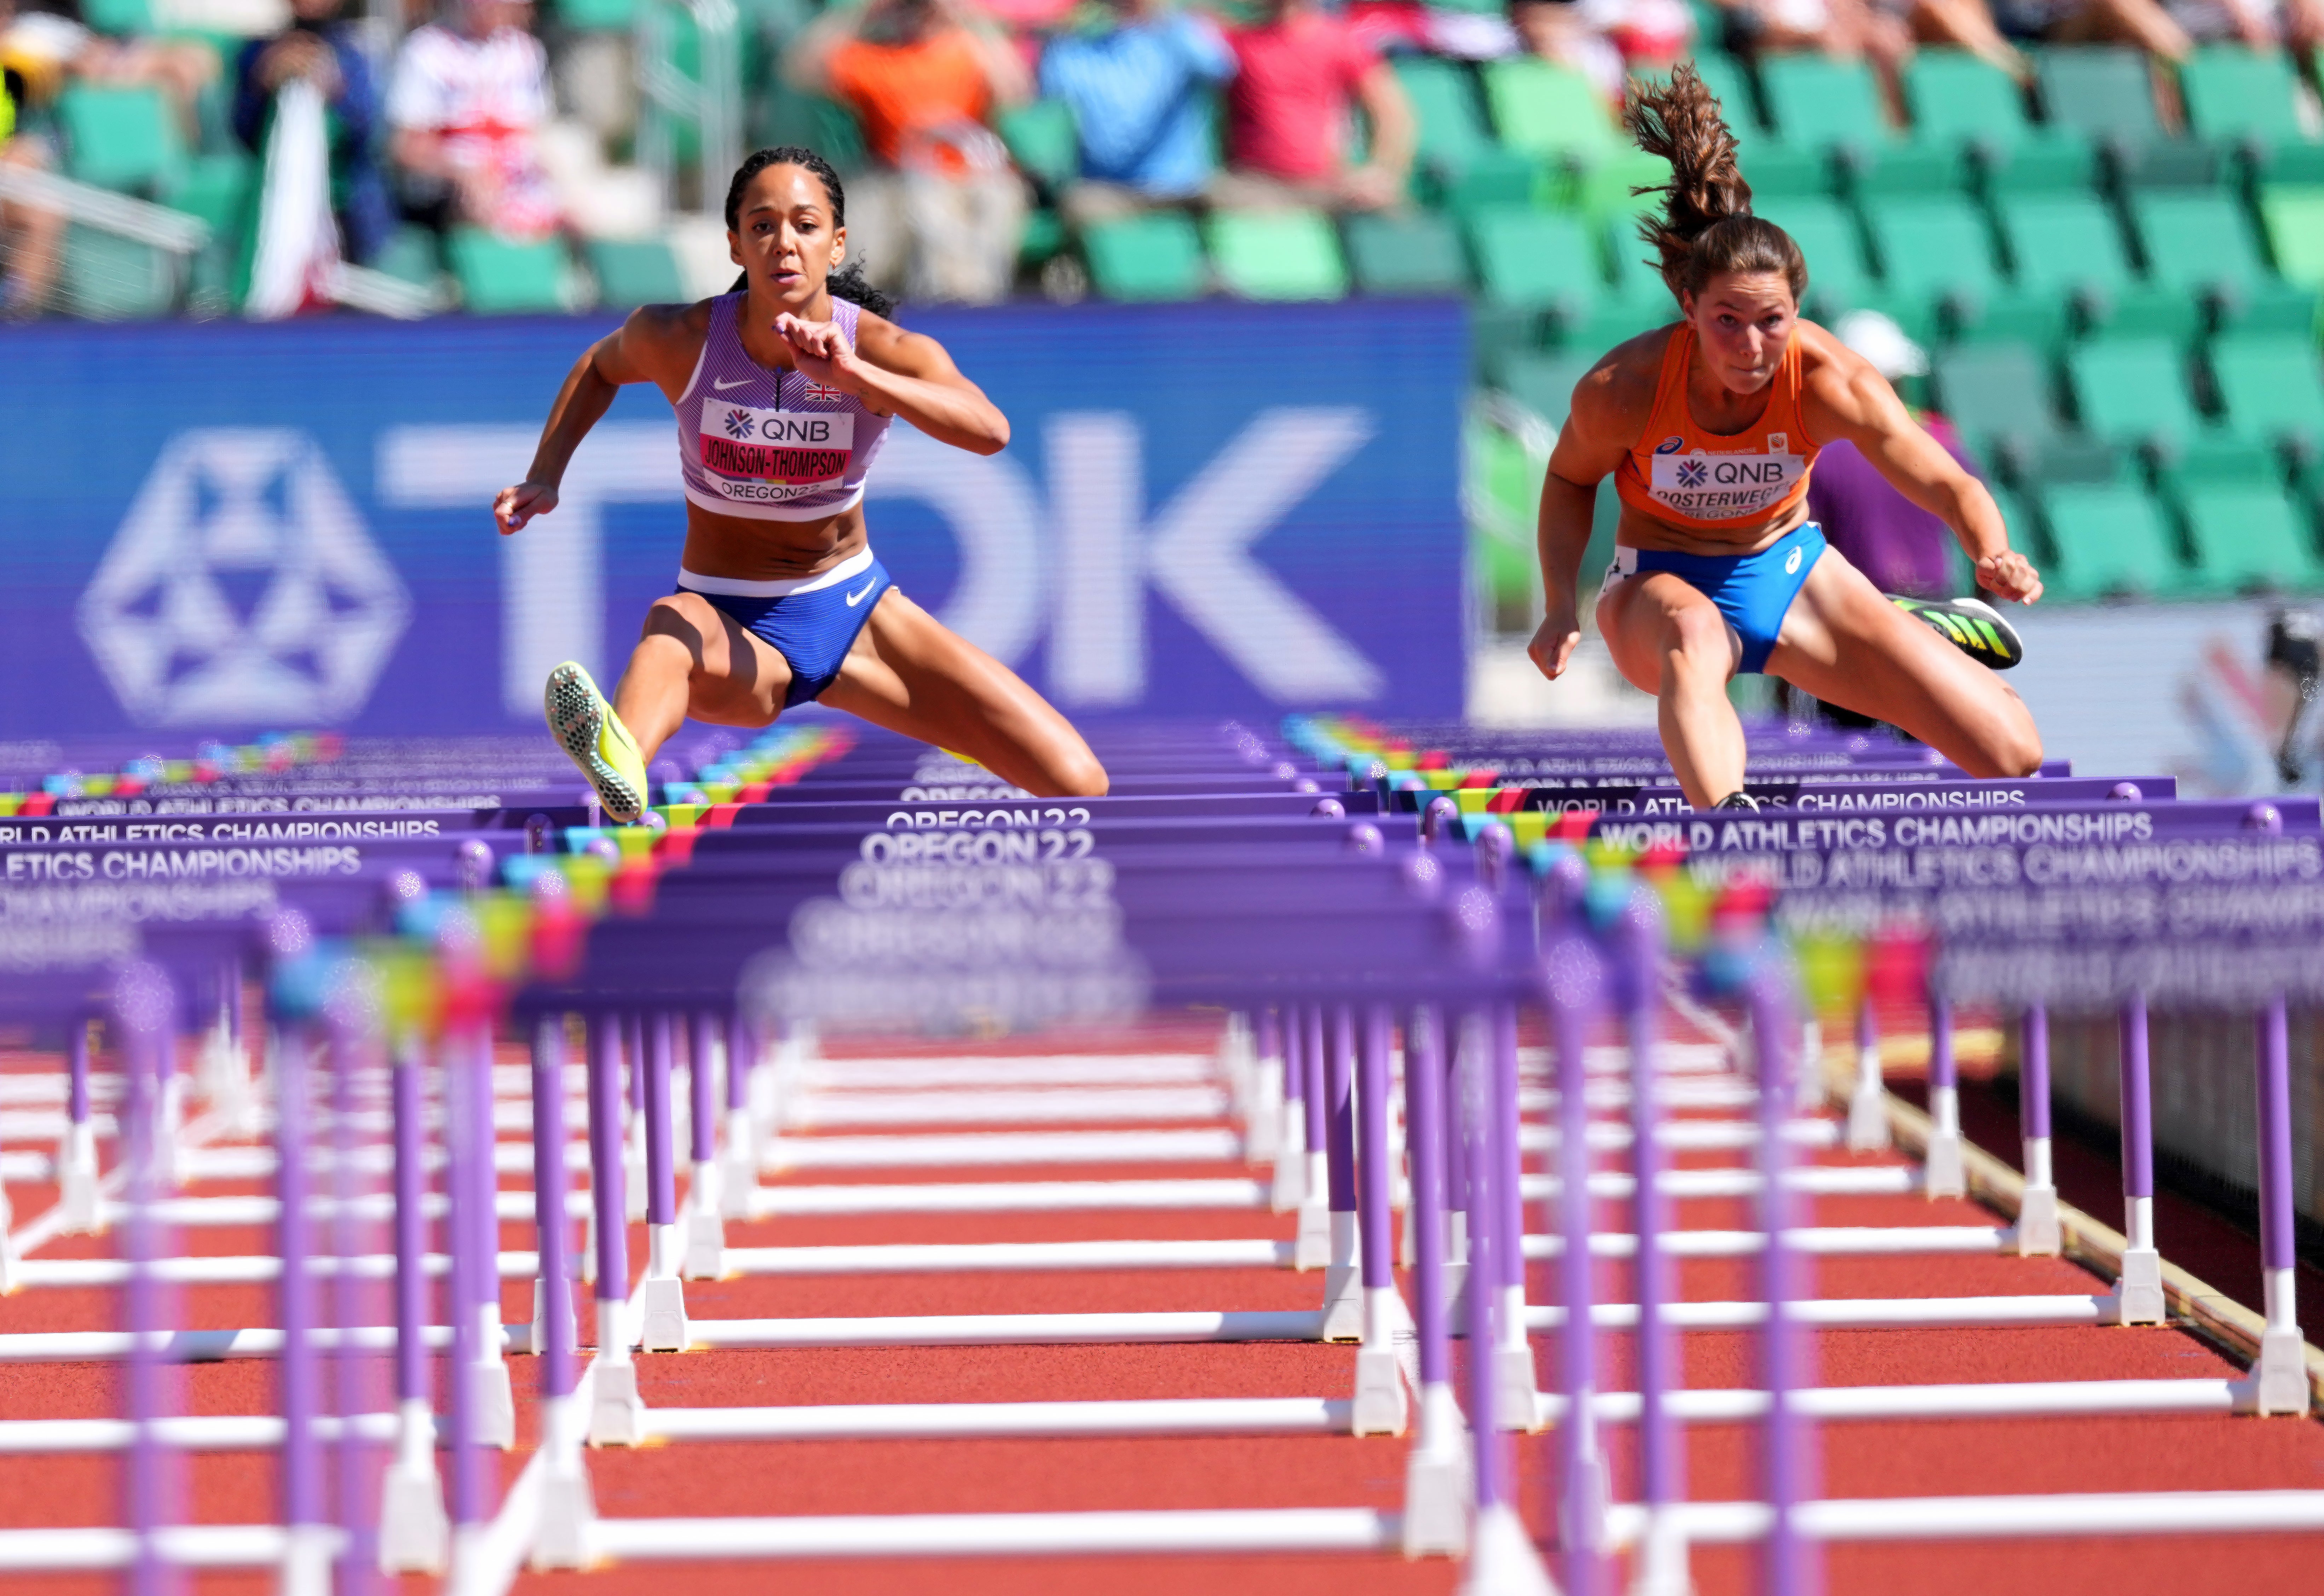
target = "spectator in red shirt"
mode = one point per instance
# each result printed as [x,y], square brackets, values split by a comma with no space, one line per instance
[1289,129]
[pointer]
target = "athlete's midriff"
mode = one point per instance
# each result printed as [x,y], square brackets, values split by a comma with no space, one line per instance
[1687,490]
[770,550]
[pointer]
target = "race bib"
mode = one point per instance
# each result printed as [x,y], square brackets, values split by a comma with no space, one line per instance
[1705,486]
[766,456]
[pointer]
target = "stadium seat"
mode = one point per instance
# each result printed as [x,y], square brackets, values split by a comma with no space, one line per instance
[1458,163]
[1413,253]
[119,18]
[1935,251]
[1155,256]
[598,16]
[1042,141]
[1637,300]
[2068,245]
[2295,232]
[1604,192]
[411,255]
[2106,91]
[1998,394]
[2132,392]
[507,276]
[2250,538]
[1544,382]
[1537,262]
[1291,254]
[107,278]
[1550,112]
[2272,390]
[216,187]
[120,138]
[1773,166]
[1819,102]
[635,271]
[2109,541]
[1957,99]
[1827,235]
[2199,244]
[2248,100]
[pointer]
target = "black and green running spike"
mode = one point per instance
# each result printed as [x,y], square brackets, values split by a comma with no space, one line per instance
[1970,624]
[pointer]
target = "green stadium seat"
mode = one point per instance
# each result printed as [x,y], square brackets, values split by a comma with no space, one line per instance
[1638,299]
[2248,100]
[507,276]
[1821,103]
[635,271]
[121,138]
[2069,245]
[1537,262]
[2250,538]
[1960,100]
[1290,254]
[1936,252]
[2294,217]
[1550,112]
[120,18]
[2109,541]
[1827,234]
[1544,382]
[1155,256]
[2132,392]
[216,188]
[411,256]
[1772,167]
[1413,253]
[1043,237]
[1603,193]
[598,16]
[2201,245]
[2106,91]
[1458,163]
[1043,141]
[2272,390]
[1998,394]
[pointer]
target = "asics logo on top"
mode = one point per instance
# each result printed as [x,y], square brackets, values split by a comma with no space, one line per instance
[1671,445]
[856,598]
[1793,564]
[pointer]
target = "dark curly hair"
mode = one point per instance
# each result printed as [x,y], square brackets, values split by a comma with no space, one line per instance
[848,281]
[1706,225]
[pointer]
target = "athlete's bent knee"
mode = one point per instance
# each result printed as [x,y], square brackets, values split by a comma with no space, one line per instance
[688,616]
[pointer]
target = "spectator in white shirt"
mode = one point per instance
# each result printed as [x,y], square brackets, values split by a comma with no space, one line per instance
[469,96]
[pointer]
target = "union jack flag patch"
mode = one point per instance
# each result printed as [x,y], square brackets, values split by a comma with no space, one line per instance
[819,393]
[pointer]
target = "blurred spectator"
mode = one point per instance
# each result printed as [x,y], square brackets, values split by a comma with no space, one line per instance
[2144,22]
[46,44]
[2263,24]
[1573,35]
[1852,30]
[1136,88]
[1898,545]
[466,102]
[30,235]
[941,216]
[320,50]
[1289,129]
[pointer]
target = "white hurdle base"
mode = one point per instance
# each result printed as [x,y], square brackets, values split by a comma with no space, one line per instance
[965,1534]
[1002,1148]
[1193,1415]
[994,1196]
[1985,1518]
[186,1545]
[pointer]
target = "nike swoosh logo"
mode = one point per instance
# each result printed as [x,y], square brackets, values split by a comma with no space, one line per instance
[856,598]
[722,385]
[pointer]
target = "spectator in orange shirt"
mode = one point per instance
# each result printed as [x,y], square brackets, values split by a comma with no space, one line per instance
[941,217]
[1298,76]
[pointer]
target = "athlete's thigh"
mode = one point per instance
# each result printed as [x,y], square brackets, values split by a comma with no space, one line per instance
[1643,617]
[737,678]
[1843,641]
[911,674]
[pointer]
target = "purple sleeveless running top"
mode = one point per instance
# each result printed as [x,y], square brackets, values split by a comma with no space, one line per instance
[771,445]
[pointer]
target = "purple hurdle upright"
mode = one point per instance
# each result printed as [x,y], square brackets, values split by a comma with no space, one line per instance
[1518,1407]
[1343,1301]
[616,1417]
[467,1142]
[1380,1407]
[1868,1103]
[567,1506]
[2280,1377]
[1289,1187]
[307,1533]
[1573,974]
[740,1178]
[2038,1233]
[661,1294]
[1313,1251]
[486,1368]
[2138,1293]
[352,1015]
[1790,1562]
[634,1182]
[78,1185]
[1942,1171]
[1263,1109]
[414,1531]
[143,1012]
[1662,1558]
[1436,1470]
[705,1228]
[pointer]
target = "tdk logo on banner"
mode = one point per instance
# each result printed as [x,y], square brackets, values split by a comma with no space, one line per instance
[242,587]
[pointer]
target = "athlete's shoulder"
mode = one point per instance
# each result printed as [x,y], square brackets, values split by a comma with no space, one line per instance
[883,343]
[1834,375]
[1619,386]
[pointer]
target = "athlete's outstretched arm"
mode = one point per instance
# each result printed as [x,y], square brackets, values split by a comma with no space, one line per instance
[899,374]
[1590,445]
[604,366]
[1846,398]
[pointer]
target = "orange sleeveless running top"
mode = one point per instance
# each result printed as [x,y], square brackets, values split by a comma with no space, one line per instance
[1680,473]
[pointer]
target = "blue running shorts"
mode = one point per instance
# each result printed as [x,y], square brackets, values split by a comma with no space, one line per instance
[812,625]
[1752,591]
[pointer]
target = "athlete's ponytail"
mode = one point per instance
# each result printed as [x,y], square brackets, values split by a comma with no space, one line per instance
[1706,226]
[847,283]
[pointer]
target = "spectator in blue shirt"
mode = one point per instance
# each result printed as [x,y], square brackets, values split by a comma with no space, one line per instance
[328,52]
[1138,90]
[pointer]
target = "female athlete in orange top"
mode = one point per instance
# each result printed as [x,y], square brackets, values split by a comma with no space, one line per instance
[1710,426]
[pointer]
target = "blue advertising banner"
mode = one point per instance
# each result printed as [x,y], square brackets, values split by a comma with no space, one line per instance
[1205,508]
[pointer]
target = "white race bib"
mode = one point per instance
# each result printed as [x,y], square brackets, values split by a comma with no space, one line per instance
[1704,486]
[766,456]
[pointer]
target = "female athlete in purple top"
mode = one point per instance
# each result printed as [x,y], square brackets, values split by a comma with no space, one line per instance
[784,390]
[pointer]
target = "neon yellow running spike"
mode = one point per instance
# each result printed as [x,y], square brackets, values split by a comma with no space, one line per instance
[585,727]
